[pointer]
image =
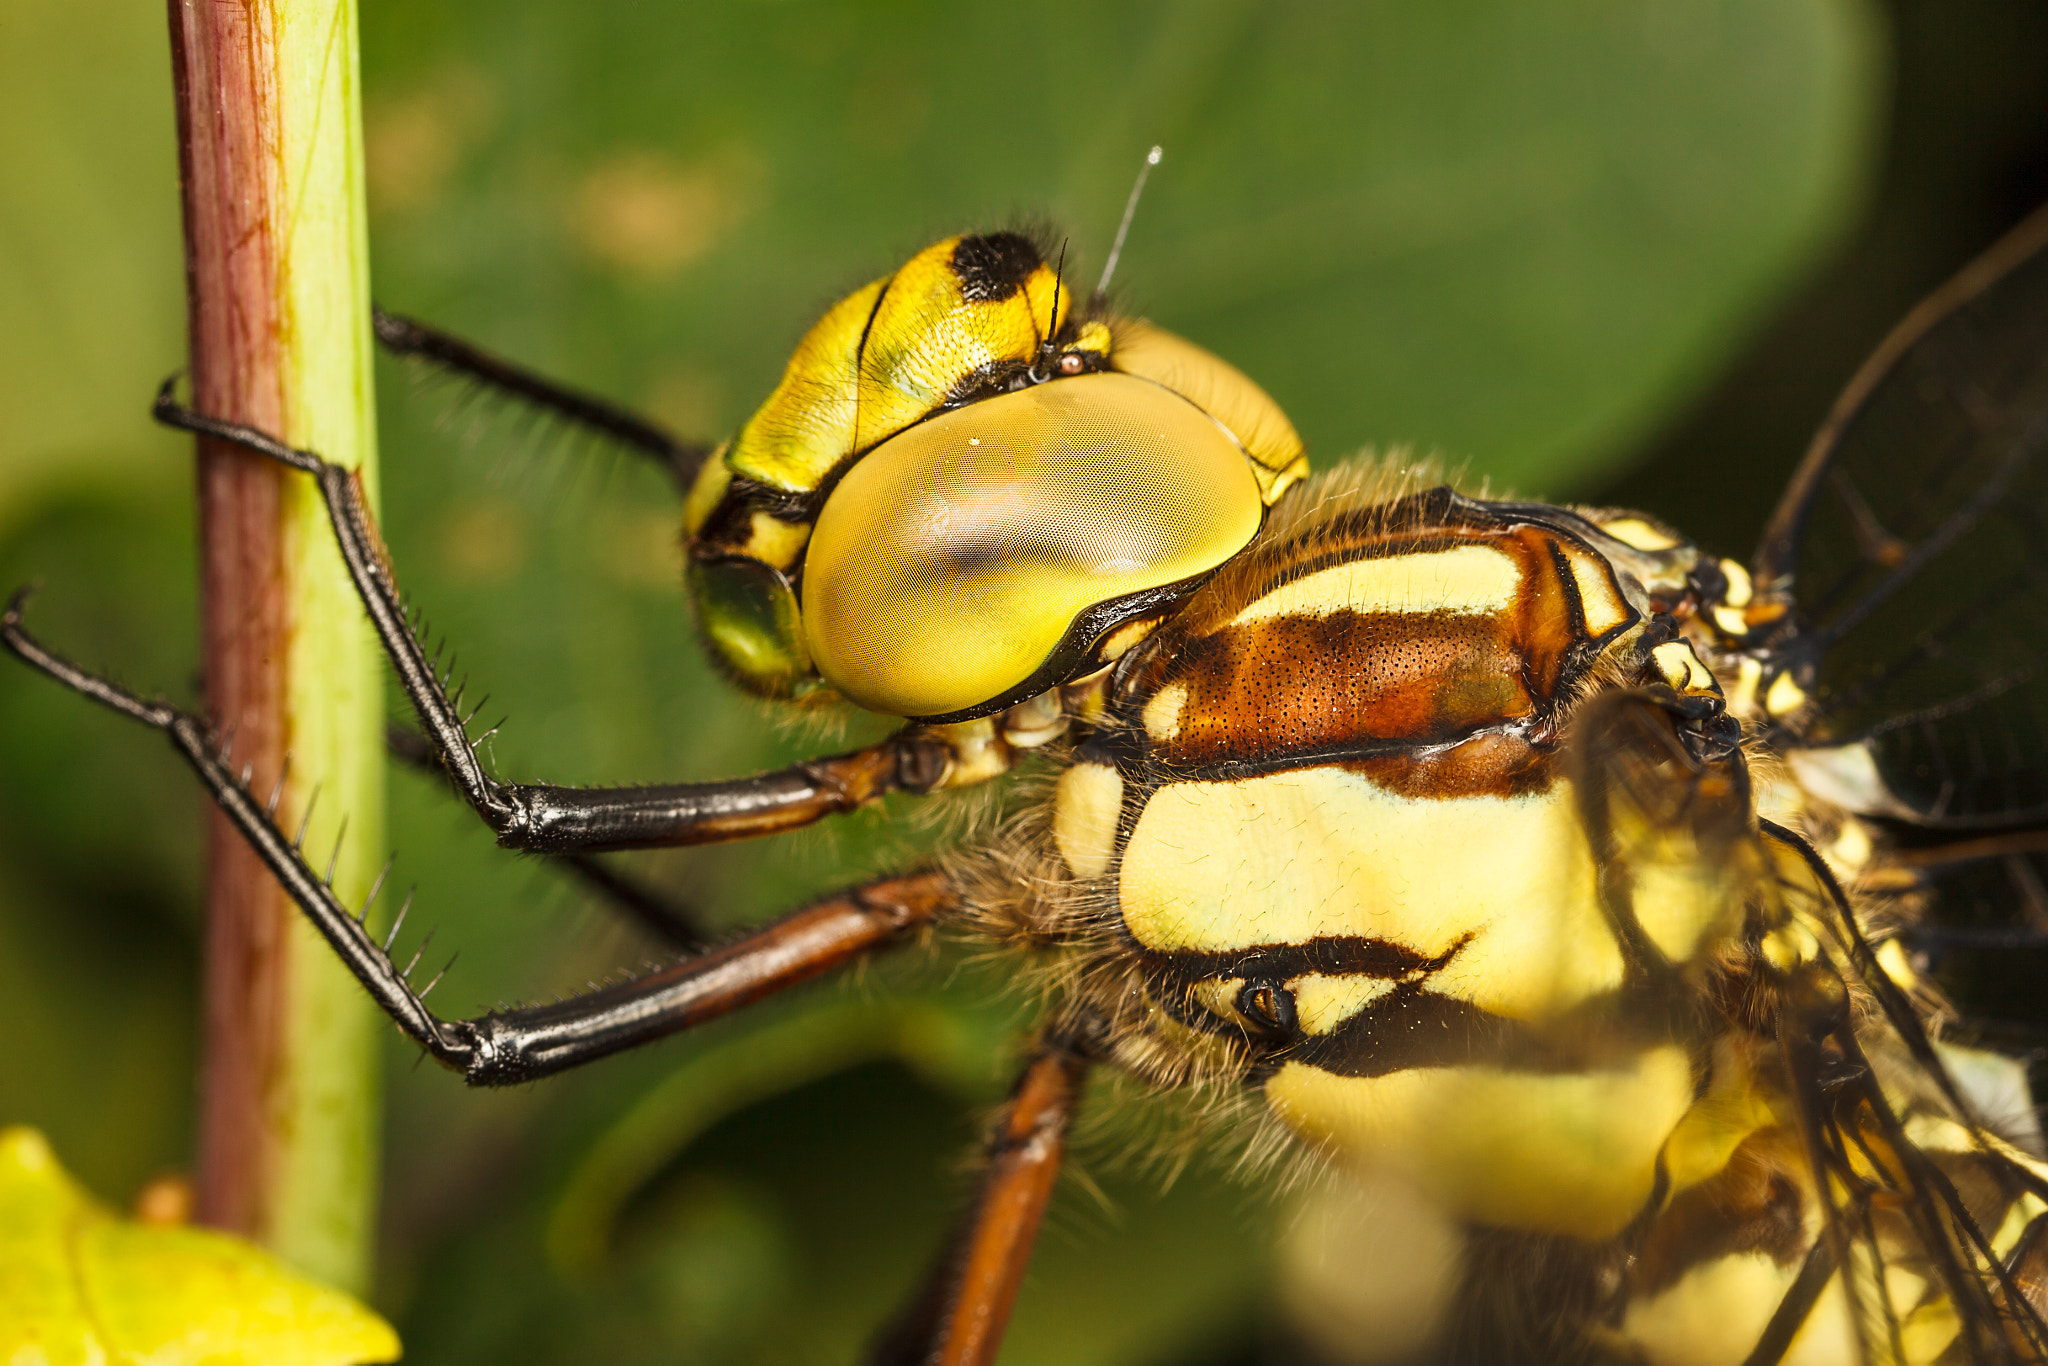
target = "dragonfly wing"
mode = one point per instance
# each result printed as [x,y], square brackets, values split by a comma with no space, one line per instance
[1910,554]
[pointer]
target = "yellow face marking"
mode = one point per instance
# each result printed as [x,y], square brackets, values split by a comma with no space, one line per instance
[1602,601]
[749,650]
[1638,534]
[1289,857]
[1086,805]
[926,337]
[1323,1002]
[1470,580]
[806,427]
[713,477]
[884,357]
[1731,621]
[774,541]
[1572,1153]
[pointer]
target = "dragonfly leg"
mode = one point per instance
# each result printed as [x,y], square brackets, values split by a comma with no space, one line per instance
[549,819]
[959,1317]
[672,923]
[408,337]
[512,1046]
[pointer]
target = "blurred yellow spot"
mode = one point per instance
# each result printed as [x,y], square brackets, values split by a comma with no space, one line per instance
[1784,696]
[1367,1267]
[413,142]
[484,542]
[648,214]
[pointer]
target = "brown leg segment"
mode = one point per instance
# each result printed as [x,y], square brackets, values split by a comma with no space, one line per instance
[519,1045]
[507,1047]
[959,1318]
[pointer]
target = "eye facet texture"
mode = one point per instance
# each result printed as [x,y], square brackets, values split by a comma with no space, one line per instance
[953,560]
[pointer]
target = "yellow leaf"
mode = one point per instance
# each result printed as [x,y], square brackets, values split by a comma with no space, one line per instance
[81,1287]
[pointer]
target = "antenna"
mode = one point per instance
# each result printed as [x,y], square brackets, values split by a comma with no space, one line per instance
[1049,345]
[1058,274]
[1123,229]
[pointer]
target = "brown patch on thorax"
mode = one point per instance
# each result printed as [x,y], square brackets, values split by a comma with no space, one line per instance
[1317,683]
[1497,764]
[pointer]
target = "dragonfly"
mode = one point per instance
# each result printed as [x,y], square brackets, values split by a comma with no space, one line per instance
[1529,855]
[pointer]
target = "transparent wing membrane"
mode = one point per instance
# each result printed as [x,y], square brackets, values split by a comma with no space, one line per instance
[1913,546]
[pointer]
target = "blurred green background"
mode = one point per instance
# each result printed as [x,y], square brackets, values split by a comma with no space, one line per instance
[1619,248]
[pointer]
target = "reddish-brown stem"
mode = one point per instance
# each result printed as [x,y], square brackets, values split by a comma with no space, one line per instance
[226,90]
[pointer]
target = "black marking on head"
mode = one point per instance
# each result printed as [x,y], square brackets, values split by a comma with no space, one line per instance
[1010,376]
[729,525]
[995,265]
[987,381]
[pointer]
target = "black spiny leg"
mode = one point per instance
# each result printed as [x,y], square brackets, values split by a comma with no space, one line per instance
[674,925]
[513,1046]
[406,337]
[544,818]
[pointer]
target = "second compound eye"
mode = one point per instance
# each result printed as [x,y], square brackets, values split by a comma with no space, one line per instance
[1269,1005]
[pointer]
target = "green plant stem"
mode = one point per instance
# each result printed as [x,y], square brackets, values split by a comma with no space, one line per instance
[270,150]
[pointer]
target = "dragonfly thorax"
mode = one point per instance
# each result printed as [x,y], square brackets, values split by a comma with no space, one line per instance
[1350,836]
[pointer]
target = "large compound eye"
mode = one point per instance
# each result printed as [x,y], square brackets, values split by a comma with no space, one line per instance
[976,556]
[1219,389]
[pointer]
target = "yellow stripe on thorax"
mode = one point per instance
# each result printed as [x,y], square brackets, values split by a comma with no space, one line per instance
[1467,579]
[1600,599]
[1572,1152]
[1718,1311]
[1294,856]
